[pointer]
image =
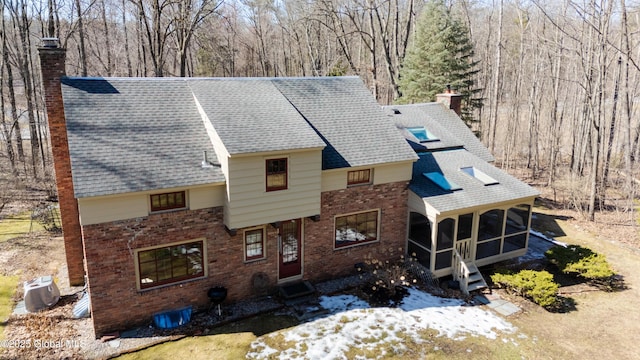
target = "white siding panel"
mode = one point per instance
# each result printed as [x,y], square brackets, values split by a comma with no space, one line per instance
[105,209]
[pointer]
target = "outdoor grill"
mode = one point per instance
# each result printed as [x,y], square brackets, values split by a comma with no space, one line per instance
[217,295]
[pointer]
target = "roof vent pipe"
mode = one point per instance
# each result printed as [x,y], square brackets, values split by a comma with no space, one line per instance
[205,161]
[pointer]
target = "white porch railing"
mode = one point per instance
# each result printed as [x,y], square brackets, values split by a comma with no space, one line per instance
[461,272]
[464,249]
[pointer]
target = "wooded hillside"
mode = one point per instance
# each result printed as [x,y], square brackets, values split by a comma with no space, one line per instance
[554,82]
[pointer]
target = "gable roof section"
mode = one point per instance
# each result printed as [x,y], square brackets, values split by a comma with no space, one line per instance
[349,120]
[473,192]
[124,136]
[442,122]
[142,134]
[250,115]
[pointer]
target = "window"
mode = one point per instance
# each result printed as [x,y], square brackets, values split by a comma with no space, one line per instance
[479,175]
[276,174]
[357,228]
[168,201]
[359,177]
[166,265]
[254,244]
[441,181]
[422,135]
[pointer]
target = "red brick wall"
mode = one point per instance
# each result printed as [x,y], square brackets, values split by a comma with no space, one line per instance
[117,304]
[52,62]
[322,261]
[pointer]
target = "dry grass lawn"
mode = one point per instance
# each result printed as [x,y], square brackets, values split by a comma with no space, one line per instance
[603,325]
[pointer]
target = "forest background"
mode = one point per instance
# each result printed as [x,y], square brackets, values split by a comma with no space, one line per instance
[550,85]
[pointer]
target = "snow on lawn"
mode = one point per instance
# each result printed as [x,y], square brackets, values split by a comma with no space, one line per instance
[353,323]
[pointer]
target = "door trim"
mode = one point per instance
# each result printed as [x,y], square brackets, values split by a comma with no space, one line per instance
[301,248]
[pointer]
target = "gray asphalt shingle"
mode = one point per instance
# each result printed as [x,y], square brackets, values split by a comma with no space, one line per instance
[138,134]
[343,112]
[473,192]
[128,135]
[251,115]
[443,122]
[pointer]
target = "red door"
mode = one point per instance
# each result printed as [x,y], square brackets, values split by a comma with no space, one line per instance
[289,244]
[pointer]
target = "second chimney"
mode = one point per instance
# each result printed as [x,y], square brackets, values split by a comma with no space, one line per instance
[451,100]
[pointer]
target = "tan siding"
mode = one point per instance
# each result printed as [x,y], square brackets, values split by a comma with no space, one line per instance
[105,209]
[390,173]
[382,174]
[334,180]
[112,208]
[249,204]
[206,197]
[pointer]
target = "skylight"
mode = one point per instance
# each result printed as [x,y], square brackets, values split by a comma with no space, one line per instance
[440,180]
[479,175]
[423,135]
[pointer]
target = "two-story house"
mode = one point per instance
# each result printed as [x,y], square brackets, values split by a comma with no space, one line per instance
[169,186]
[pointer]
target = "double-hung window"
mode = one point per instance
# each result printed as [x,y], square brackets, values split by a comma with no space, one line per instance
[277,172]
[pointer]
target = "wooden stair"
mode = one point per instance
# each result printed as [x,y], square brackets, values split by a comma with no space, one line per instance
[476,281]
[467,274]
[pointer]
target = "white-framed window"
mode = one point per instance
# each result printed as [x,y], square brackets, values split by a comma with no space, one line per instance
[254,244]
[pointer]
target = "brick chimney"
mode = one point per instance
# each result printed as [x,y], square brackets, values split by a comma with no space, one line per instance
[52,64]
[451,100]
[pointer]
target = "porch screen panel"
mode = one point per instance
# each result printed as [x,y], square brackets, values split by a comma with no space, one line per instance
[517,219]
[420,229]
[445,234]
[465,224]
[490,225]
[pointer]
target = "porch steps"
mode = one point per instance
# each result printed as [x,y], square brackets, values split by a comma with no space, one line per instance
[476,281]
[296,289]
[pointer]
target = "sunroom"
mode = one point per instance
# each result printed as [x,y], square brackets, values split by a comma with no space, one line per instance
[462,209]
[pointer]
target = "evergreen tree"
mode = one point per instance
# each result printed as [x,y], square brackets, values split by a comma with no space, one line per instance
[440,55]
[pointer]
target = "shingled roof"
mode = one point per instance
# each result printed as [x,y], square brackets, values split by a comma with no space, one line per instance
[133,134]
[442,122]
[250,115]
[472,192]
[350,121]
[140,134]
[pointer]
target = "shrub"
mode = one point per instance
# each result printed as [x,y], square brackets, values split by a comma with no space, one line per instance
[388,280]
[582,262]
[535,285]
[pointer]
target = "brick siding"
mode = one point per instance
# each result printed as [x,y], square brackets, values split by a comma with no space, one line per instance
[117,304]
[322,261]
